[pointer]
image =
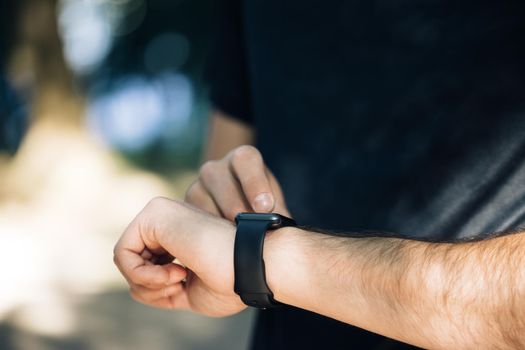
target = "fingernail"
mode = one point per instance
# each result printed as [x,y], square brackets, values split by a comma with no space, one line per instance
[263,202]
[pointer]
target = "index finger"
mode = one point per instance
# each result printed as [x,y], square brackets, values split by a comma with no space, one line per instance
[249,168]
[129,260]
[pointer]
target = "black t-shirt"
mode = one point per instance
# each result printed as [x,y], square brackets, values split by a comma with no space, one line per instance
[400,116]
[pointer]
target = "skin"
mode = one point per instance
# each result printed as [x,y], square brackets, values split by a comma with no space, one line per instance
[465,295]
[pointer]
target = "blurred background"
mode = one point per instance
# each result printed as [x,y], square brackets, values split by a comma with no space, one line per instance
[102,106]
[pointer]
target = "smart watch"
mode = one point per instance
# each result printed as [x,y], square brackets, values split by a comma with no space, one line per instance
[250,277]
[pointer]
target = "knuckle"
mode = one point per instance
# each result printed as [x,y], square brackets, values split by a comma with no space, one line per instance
[135,295]
[157,202]
[245,153]
[134,279]
[193,192]
[208,169]
[160,204]
[254,183]
[149,296]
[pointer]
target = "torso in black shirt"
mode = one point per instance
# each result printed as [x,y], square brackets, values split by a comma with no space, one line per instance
[399,116]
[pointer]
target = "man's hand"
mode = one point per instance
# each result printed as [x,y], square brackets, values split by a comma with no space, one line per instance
[239,182]
[467,295]
[202,243]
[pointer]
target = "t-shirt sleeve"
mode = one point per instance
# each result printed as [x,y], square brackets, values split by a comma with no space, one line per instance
[226,71]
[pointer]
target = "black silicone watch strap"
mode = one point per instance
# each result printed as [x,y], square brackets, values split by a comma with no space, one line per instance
[250,273]
[250,276]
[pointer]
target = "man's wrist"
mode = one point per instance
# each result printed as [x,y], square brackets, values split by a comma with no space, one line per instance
[301,267]
[285,256]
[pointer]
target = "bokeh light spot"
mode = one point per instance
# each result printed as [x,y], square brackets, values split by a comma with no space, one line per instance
[139,112]
[86,35]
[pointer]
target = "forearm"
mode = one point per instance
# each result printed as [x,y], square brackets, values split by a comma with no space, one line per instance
[434,295]
[226,133]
